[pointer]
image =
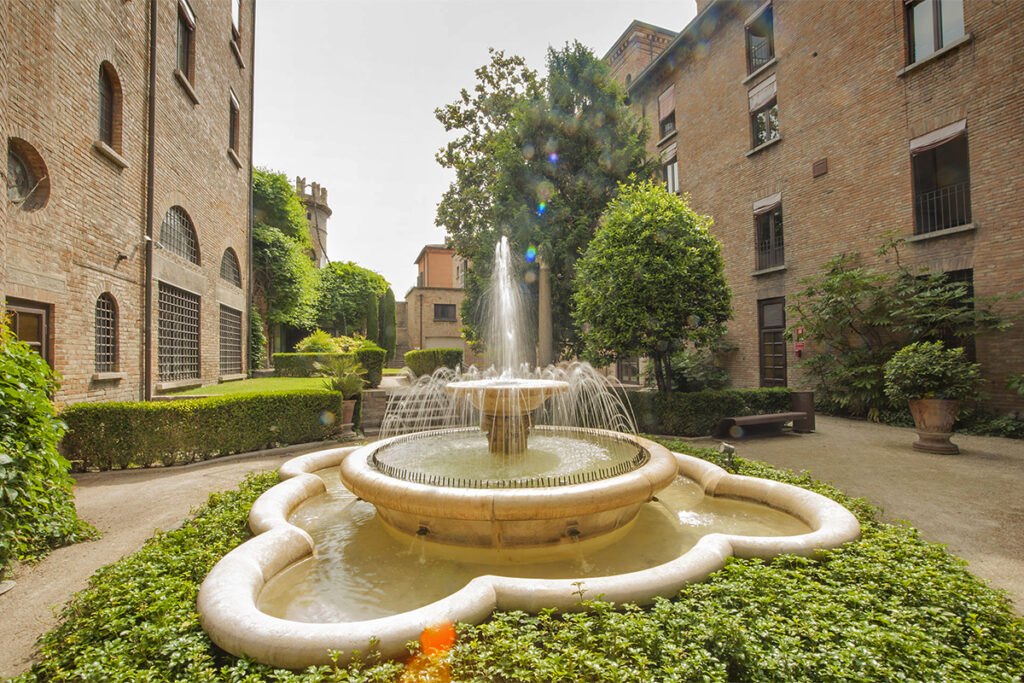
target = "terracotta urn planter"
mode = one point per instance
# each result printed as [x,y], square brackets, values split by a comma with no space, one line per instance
[933,421]
[348,408]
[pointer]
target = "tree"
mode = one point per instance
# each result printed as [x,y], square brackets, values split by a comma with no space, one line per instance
[544,177]
[275,203]
[342,294]
[284,278]
[388,324]
[651,282]
[857,317]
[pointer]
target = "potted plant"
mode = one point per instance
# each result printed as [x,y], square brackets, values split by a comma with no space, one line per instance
[344,374]
[933,379]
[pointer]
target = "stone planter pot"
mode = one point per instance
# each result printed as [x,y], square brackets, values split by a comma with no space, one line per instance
[348,408]
[933,421]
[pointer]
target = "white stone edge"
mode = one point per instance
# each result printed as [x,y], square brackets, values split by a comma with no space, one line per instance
[227,598]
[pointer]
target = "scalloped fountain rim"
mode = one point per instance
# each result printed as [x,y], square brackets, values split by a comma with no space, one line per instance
[227,598]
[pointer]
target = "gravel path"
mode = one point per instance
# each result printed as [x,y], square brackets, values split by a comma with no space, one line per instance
[971,502]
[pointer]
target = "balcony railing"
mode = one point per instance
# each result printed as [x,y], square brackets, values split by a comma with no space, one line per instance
[770,253]
[941,208]
[760,50]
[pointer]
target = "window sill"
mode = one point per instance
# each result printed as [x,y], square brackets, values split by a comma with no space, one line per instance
[445,320]
[764,145]
[110,154]
[969,227]
[760,70]
[668,137]
[766,271]
[232,378]
[234,158]
[109,376]
[179,384]
[938,54]
[186,86]
[237,52]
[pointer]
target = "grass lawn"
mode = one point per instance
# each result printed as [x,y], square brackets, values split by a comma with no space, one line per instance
[394,371]
[248,386]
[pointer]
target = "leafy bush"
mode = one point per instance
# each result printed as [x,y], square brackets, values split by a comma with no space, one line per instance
[929,370]
[37,507]
[317,342]
[370,356]
[137,620]
[425,361]
[123,434]
[698,413]
[257,340]
[344,375]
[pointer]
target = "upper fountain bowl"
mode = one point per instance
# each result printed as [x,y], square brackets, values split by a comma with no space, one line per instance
[507,396]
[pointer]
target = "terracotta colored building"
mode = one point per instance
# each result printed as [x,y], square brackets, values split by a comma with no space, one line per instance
[842,122]
[124,240]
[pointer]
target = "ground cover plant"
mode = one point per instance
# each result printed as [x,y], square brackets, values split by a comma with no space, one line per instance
[887,607]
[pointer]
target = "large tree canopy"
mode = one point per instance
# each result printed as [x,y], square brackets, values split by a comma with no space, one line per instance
[276,204]
[547,163]
[284,278]
[651,281]
[344,294]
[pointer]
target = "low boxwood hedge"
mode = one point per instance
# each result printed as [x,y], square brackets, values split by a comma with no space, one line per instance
[697,413]
[304,364]
[123,434]
[425,361]
[889,606]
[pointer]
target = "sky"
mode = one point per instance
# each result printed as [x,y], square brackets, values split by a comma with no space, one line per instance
[346,90]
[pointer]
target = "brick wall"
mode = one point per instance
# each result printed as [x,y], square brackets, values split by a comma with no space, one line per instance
[843,96]
[89,238]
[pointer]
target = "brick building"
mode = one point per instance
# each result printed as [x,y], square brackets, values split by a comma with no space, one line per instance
[124,243]
[850,120]
[430,317]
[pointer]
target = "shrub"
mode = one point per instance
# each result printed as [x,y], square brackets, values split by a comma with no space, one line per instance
[37,507]
[344,375]
[929,370]
[123,434]
[317,342]
[257,340]
[387,324]
[698,413]
[425,361]
[370,356]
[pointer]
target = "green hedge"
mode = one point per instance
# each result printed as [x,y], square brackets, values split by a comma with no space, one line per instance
[142,433]
[425,361]
[303,364]
[697,413]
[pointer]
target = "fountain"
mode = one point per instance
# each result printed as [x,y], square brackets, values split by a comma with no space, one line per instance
[518,496]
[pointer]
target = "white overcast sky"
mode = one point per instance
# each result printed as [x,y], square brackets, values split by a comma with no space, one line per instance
[346,92]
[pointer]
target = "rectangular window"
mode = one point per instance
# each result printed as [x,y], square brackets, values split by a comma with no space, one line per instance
[765,123]
[768,236]
[760,38]
[931,25]
[667,111]
[177,333]
[236,19]
[670,174]
[942,184]
[233,117]
[771,324]
[445,313]
[628,370]
[30,324]
[186,41]
[230,341]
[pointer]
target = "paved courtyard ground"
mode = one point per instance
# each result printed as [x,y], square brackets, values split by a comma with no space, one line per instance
[971,502]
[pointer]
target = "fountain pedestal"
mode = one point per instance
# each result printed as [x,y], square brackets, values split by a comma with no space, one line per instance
[506,434]
[506,406]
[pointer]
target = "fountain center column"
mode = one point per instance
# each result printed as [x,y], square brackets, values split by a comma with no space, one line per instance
[506,434]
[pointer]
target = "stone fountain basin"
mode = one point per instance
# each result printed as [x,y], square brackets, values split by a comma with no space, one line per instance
[508,396]
[228,596]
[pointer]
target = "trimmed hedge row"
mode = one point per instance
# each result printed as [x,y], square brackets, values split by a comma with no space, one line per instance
[425,361]
[122,434]
[302,364]
[697,413]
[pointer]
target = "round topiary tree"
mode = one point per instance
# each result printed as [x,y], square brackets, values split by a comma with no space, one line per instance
[651,281]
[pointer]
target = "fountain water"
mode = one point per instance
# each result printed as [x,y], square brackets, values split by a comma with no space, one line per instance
[553,499]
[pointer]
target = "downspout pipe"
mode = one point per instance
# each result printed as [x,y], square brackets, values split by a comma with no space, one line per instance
[147,384]
[252,107]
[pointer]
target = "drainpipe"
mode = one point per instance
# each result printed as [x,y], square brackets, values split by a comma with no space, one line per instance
[147,390]
[252,101]
[421,321]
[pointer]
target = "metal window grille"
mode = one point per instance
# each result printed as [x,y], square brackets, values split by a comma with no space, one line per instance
[177,333]
[106,334]
[760,42]
[229,268]
[943,207]
[772,351]
[106,108]
[230,341]
[178,234]
[770,243]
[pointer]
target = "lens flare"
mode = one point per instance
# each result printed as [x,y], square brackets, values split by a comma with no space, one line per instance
[529,277]
[737,432]
[553,157]
[327,418]
[541,208]
[531,251]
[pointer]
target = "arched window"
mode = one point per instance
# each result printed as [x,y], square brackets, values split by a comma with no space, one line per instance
[229,268]
[106,333]
[110,107]
[179,235]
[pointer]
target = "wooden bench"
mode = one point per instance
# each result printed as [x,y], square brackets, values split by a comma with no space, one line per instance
[773,421]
